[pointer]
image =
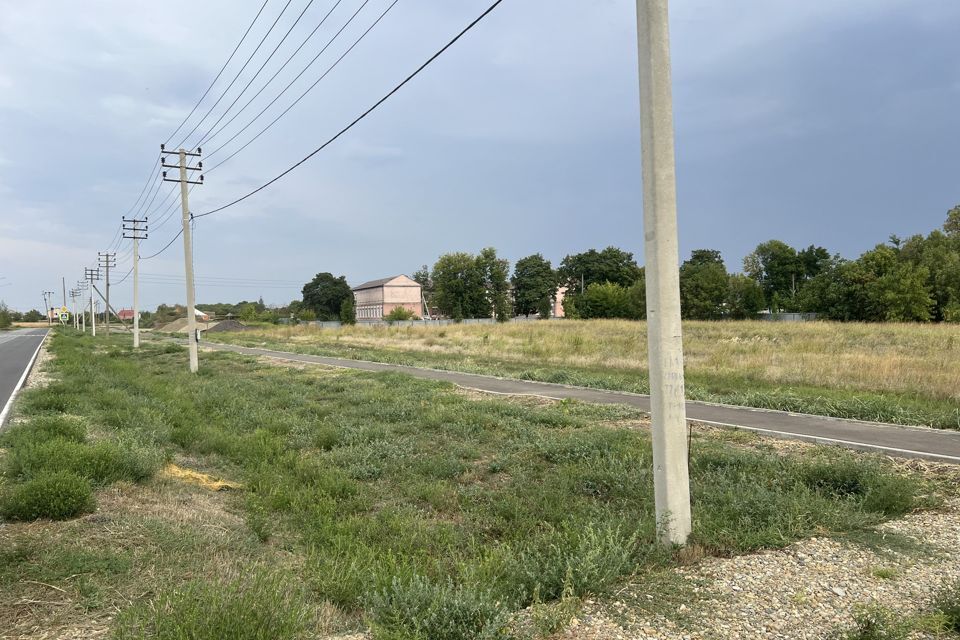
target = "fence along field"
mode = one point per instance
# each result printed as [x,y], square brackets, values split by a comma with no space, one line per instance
[900,373]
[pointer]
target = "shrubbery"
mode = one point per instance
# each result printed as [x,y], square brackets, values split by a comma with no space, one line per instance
[57,495]
[261,607]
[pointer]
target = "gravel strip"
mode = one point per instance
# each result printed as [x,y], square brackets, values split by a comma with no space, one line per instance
[805,591]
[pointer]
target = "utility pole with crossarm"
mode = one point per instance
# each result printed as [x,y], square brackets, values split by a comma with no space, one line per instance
[187,240]
[135,232]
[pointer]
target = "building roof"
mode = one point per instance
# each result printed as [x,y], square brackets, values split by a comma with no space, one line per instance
[373,284]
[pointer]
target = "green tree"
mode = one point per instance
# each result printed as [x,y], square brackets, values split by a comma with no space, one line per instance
[778,270]
[306,315]
[325,294]
[348,313]
[5,317]
[534,281]
[32,316]
[422,277]
[703,286]
[249,313]
[901,294]
[580,270]
[495,272]
[952,226]
[744,297]
[458,287]
[940,256]
[638,297]
[606,300]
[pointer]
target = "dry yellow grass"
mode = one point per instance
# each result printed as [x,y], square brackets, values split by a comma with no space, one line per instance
[903,358]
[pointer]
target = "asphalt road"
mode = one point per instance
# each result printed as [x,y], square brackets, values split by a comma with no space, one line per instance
[908,442]
[17,351]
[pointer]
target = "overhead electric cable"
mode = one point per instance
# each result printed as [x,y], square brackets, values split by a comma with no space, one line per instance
[219,73]
[254,76]
[361,116]
[275,74]
[165,247]
[236,77]
[302,95]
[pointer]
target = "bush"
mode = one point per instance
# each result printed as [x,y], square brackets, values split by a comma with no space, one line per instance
[100,462]
[875,623]
[58,496]
[262,607]
[399,314]
[874,487]
[418,608]
[41,429]
[947,604]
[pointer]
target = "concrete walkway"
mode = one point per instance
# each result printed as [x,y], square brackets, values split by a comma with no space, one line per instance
[908,442]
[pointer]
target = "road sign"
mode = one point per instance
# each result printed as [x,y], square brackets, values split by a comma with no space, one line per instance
[63,310]
[64,317]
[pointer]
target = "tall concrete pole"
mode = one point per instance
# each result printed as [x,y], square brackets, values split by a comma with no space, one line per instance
[136,291]
[188,265]
[106,313]
[664,339]
[93,314]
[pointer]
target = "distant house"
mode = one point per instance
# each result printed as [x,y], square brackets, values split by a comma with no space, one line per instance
[375,299]
[557,310]
[125,314]
[201,315]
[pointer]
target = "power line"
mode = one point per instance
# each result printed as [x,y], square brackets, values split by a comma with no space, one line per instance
[166,246]
[277,72]
[302,95]
[219,73]
[237,76]
[254,76]
[363,115]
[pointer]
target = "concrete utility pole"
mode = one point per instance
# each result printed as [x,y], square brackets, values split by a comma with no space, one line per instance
[187,242]
[107,260]
[92,275]
[133,232]
[46,306]
[81,287]
[48,299]
[664,339]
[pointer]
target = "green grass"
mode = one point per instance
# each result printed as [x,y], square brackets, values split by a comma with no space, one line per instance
[56,495]
[811,387]
[433,514]
[260,606]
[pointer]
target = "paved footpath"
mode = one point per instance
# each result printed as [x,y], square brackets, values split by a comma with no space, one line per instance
[18,349]
[909,442]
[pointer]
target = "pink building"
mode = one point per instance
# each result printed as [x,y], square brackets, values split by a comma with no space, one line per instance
[558,311]
[375,299]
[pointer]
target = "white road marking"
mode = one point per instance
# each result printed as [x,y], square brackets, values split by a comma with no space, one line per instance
[23,377]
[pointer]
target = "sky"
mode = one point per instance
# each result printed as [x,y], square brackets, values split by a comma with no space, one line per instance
[818,122]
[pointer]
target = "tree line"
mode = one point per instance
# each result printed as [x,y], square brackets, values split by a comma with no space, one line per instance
[913,279]
[916,279]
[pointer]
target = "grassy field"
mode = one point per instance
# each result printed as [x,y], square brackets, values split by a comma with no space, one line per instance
[368,500]
[900,373]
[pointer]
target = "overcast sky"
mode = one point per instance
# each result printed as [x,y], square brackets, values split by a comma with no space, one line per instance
[828,122]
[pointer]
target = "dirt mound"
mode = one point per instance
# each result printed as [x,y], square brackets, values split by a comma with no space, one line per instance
[228,325]
[175,326]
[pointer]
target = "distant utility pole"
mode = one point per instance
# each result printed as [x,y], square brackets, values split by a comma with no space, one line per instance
[107,260]
[73,305]
[136,232]
[187,240]
[63,281]
[81,287]
[48,300]
[664,340]
[92,275]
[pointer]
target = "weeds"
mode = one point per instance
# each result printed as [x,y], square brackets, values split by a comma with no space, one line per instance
[947,605]
[438,514]
[258,607]
[56,495]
